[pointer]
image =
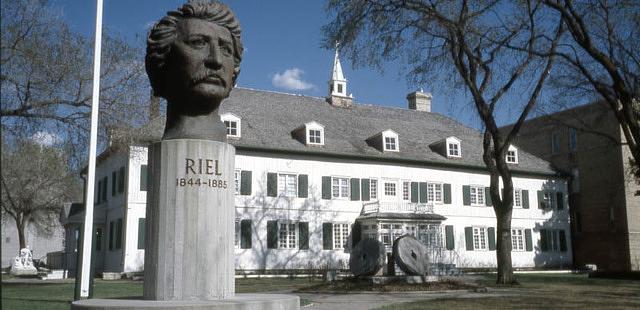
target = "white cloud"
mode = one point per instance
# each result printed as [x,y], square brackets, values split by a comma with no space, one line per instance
[46,138]
[291,79]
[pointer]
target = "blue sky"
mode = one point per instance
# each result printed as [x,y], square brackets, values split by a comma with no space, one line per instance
[282,41]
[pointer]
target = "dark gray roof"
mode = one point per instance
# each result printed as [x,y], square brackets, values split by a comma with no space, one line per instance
[268,119]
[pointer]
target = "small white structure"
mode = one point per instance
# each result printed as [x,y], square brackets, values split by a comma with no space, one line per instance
[23,264]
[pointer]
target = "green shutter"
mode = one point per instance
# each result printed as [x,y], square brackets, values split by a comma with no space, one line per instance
[142,232]
[245,182]
[326,187]
[487,196]
[272,184]
[446,189]
[111,234]
[356,233]
[559,200]
[492,238]
[414,191]
[114,183]
[303,238]
[96,194]
[466,195]
[98,242]
[144,170]
[468,238]
[544,242]
[303,186]
[105,184]
[327,236]
[563,240]
[540,200]
[272,234]
[527,239]
[525,199]
[450,241]
[121,180]
[119,234]
[355,189]
[366,190]
[422,187]
[245,234]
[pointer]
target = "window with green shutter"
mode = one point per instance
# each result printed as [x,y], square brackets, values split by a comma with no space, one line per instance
[492,238]
[143,178]
[245,234]
[422,188]
[303,186]
[119,234]
[114,183]
[121,175]
[544,240]
[525,199]
[105,184]
[272,184]
[327,236]
[528,240]
[245,182]
[365,189]
[468,238]
[563,240]
[142,232]
[272,234]
[466,195]
[355,189]
[326,187]
[449,237]
[446,188]
[560,200]
[303,241]
[98,242]
[111,234]
[487,195]
[414,192]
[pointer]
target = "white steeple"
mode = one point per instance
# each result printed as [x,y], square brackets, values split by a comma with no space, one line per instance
[337,83]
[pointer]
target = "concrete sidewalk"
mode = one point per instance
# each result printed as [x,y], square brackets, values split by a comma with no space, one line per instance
[372,300]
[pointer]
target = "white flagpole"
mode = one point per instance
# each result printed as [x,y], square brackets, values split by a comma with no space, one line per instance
[85,271]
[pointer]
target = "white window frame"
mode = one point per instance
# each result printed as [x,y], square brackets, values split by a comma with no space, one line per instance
[512,155]
[406,190]
[392,136]
[453,147]
[517,198]
[340,235]
[237,175]
[230,117]
[391,190]
[287,238]
[435,193]
[343,190]
[477,195]
[283,189]
[314,126]
[480,238]
[517,240]
[373,189]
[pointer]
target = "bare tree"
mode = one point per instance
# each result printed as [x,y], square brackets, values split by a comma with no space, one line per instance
[36,183]
[600,57]
[46,77]
[470,39]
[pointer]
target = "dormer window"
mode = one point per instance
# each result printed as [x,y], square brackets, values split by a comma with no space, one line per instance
[232,122]
[390,141]
[314,133]
[453,147]
[512,155]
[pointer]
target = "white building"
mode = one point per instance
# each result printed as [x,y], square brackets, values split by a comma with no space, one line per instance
[313,175]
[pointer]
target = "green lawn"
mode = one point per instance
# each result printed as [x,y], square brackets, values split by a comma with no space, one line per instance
[43,295]
[545,291]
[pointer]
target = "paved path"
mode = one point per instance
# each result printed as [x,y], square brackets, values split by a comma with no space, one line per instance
[363,301]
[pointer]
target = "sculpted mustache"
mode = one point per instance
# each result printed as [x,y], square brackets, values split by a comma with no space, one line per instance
[203,75]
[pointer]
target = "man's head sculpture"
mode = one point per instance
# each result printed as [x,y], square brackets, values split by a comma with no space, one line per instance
[193,60]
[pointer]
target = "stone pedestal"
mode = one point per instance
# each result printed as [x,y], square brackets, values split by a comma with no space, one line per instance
[239,302]
[190,221]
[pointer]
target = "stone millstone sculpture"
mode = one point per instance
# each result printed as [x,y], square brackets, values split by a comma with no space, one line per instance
[411,255]
[23,264]
[367,258]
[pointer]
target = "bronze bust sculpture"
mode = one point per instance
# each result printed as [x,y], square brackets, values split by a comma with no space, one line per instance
[193,60]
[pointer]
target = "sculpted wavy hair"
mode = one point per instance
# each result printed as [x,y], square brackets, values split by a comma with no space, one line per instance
[164,33]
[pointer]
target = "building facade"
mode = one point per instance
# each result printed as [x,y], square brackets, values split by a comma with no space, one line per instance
[316,175]
[587,143]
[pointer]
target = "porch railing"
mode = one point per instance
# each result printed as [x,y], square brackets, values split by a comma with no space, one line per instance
[396,207]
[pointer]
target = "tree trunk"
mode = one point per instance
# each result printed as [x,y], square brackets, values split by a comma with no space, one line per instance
[503,248]
[20,228]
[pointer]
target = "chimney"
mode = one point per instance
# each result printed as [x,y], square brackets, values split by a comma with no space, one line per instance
[419,101]
[154,107]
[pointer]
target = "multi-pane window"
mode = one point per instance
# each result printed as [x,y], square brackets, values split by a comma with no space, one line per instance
[517,198]
[430,235]
[573,139]
[237,176]
[517,239]
[390,143]
[374,189]
[340,235]
[389,189]
[287,235]
[479,238]
[232,128]
[315,136]
[434,192]
[340,187]
[287,185]
[405,190]
[552,240]
[477,195]
[512,156]
[453,149]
